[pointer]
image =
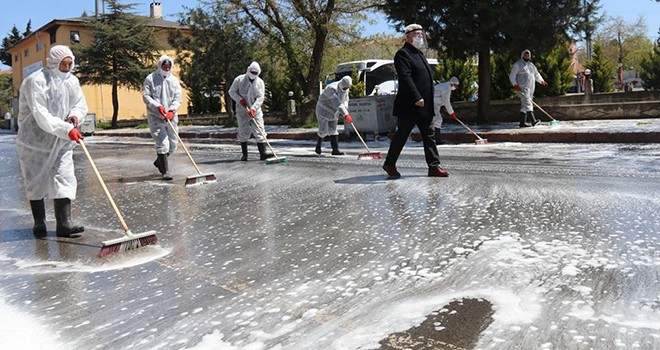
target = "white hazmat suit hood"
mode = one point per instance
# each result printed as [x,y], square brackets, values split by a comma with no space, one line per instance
[522,55]
[161,71]
[253,70]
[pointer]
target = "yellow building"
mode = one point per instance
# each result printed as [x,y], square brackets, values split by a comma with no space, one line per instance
[29,55]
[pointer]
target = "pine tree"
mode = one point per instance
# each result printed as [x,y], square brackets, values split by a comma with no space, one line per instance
[650,73]
[555,67]
[7,42]
[464,70]
[122,53]
[602,70]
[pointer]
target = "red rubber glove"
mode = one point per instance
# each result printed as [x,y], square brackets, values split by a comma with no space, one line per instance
[348,119]
[516,87]
[74,135]
[251,112]
[453,116]
[161,109]
[243,103]
[170,115]
[73,120]
[544,83]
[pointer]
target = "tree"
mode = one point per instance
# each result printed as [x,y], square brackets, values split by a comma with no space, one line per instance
[121,53]
[602,70]
[475,27]
[215,53]
[302,30]
[464,70]
[6,92]
[7,42]
[555,67]
[624,43]
[650,73]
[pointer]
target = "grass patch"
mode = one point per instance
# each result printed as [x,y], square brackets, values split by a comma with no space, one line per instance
[142,126]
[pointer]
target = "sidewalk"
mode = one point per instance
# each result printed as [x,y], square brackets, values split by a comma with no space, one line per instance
[581,131]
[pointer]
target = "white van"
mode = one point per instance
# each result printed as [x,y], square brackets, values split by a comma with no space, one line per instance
[374,73]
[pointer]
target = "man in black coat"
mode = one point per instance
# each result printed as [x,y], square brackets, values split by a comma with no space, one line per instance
[413,104]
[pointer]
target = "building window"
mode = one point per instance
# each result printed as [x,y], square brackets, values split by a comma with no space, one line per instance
[26,53]
[53,37]
[40,46]
[15,58]
[75,36]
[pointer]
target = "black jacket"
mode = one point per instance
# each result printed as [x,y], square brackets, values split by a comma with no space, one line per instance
[415,83]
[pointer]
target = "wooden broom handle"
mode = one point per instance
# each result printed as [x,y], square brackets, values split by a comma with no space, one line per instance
[199,172]
[107,193]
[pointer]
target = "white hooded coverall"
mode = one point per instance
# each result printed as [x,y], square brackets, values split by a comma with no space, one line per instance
[332,104]
[48,98]
[252,89]
[442,97]
[161,88]
[525,75]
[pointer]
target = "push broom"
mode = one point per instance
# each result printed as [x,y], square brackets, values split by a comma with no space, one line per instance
[130,240]
[275,159]
[369,154]
[479,140]
[553,121]
[193,179]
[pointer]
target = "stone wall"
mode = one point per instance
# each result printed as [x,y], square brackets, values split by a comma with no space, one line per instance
[617,105]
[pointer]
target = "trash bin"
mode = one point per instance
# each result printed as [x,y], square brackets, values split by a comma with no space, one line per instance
[372,114]
[88,125]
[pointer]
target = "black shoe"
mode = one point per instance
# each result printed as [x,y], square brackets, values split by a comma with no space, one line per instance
[536,122]
[39,216]
[334,142]
[263,155]
[392,173]
[244,151]
[318,144]
[65,227]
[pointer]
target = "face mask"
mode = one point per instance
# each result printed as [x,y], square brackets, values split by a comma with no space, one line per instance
[526,59]
[61,75]
[418,42]
[453,87]
[164,73]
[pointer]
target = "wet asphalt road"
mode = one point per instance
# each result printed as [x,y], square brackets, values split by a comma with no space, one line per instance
[530,246]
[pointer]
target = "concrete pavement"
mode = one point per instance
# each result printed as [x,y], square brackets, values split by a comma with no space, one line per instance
[582,131]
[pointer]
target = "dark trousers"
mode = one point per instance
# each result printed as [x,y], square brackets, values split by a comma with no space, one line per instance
[405,125]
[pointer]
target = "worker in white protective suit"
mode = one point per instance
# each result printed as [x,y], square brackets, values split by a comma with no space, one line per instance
[523,76]
[51,106]
[442,97]
[332,104]
[161,93]
[248,91]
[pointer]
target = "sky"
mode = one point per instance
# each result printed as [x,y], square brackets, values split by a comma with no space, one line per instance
[20,12]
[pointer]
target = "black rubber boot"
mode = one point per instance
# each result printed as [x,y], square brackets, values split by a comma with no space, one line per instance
[65,227]
[244,151]
[523,120]
[164,167]
[334,142]
[263,155]
[319,140]
[39,216]
[438,140]
[532,119]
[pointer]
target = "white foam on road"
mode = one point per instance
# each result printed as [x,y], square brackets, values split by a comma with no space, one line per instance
[21,331]
[116,261]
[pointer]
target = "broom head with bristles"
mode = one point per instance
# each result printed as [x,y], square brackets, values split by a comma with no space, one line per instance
[200,179]
[275,160]
[370,155]
[481,141]
[129,241]
[554,123]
